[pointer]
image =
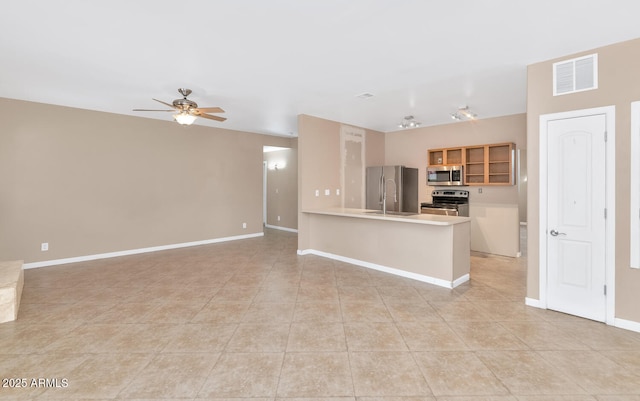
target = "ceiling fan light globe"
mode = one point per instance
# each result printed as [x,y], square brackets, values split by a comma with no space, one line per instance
[184,118]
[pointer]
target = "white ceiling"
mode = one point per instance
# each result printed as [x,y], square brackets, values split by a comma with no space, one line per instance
[265,62]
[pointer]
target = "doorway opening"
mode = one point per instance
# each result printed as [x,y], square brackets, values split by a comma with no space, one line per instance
[280,188]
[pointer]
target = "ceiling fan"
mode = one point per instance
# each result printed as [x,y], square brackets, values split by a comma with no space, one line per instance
[188,110]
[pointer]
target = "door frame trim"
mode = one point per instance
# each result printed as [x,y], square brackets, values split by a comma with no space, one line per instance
[610,198]
[635,185]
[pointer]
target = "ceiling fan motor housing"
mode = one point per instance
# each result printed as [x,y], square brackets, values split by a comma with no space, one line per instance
[185,104]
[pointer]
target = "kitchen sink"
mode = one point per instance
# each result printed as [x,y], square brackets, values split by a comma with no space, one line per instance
[391,213]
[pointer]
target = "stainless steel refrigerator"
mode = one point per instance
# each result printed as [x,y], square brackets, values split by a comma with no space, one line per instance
[398,183]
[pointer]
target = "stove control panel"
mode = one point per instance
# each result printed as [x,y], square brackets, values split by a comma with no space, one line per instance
[455,193]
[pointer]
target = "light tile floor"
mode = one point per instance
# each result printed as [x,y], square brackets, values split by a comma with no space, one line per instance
[252,320]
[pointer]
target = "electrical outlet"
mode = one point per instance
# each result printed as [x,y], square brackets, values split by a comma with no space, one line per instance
[327,192]
[244,225]
[479,190]
[338,192]
[278,218]
[44,246]
[317,192]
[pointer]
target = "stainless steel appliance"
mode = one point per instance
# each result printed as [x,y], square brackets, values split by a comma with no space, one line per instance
[454,202]
[445,175]
[392,189]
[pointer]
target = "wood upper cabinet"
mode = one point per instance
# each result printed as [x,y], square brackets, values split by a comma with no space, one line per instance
[500,163]
[446,157]
[474,167]
[490,164]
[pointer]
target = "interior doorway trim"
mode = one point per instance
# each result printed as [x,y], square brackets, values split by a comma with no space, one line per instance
[634,212]
[264,193]
[609,112]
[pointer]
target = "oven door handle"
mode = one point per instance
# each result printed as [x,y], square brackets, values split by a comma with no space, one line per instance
[442,211]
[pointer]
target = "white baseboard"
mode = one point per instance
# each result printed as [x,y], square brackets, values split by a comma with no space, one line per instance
[627,324]
[54,262]
[620,323]
[292,230]
[460,280]
[390,270]
[535,303]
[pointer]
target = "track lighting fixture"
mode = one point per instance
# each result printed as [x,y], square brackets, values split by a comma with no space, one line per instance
[463,113]
[409,122]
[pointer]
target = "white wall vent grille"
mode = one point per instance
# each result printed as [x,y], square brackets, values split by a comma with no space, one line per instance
[575,75]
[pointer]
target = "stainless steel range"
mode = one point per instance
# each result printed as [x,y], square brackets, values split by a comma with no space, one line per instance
[448,203]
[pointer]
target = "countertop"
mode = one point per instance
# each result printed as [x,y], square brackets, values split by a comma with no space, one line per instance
[429,219]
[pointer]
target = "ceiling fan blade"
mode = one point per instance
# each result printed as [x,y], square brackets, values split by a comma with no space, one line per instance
[210,117]
[165,103]
[152,110]
[210,110]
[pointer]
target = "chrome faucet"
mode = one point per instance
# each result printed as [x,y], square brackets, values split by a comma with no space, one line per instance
[384,194]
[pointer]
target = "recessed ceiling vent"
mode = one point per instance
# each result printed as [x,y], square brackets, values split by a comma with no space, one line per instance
[575,75]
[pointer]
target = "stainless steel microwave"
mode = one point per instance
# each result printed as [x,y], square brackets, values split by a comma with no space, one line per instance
[445,175]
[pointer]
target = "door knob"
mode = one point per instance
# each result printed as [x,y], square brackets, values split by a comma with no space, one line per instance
[555,233]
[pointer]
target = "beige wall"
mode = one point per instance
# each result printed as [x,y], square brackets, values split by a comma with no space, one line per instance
[434,253]
[282,188]
[320,166]
[89,182]
[619,85]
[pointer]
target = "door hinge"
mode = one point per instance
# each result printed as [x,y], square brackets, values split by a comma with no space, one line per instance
[605,212]
[605,290]
[605,136]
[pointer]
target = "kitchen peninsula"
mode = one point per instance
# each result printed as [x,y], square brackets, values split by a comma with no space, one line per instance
[429,248]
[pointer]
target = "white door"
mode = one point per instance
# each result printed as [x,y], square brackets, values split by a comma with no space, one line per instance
[576,222]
